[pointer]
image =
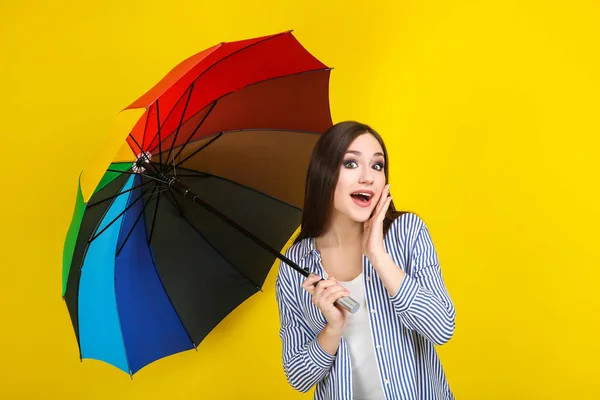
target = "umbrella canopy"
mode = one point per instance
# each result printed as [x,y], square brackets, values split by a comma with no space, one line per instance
[185,230]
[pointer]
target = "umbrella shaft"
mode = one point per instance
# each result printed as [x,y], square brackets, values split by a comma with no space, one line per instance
[348,303]
[186,192]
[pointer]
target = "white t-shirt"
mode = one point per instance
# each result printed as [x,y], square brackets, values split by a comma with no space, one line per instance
[366,384]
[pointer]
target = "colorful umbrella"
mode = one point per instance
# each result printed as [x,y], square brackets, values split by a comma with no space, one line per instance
[147,273]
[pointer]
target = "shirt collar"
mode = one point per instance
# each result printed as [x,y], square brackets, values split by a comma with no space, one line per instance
[308,247]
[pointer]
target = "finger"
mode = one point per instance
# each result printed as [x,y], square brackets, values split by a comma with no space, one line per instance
[330,295]
[334,296]
[378,205]
[385,202]
[386,205]
[324,287]
[321,287]
[309,282]
[381,200]
[326,283]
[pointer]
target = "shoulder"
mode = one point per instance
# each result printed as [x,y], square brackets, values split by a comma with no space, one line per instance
[406,228]
[298,254]
[407,239]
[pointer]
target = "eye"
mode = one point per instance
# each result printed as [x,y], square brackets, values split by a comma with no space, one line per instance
[350,164]
[378,166]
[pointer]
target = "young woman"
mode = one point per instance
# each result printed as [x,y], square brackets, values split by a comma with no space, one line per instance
[352,237]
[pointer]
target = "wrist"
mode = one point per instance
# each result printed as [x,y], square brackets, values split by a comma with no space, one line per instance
[379,258]
[329,338]
[334,330]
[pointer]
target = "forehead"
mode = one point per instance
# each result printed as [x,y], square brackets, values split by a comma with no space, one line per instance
[366,144]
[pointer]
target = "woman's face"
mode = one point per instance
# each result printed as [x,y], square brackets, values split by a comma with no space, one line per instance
[361,179]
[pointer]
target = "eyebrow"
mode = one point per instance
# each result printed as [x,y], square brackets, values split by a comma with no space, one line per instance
[358,153]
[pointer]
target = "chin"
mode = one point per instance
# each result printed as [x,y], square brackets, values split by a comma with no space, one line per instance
[360,215]
[353,212]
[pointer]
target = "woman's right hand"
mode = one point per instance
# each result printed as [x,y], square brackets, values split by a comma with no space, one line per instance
[324,296]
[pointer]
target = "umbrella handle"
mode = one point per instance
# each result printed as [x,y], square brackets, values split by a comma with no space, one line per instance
[346,302]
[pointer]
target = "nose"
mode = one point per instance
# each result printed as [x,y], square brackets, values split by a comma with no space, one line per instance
[366,176]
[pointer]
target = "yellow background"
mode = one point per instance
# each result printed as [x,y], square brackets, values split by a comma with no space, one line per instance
[490,110]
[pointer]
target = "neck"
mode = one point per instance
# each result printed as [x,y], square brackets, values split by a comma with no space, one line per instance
[342,232]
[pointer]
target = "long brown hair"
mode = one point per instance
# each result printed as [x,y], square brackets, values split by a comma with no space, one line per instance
[323,173]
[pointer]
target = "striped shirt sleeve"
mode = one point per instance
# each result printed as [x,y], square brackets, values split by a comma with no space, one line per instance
[422,301]
[305,362]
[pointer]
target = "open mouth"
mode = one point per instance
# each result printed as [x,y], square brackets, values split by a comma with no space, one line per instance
[362,198]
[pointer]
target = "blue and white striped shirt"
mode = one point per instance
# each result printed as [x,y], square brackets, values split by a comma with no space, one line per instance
[405,326]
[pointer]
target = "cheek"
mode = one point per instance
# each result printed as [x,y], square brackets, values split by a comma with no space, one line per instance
[340,193]
[344,186]
[379,184]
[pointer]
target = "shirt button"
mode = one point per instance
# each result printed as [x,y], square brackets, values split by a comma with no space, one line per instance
[387,381]
[372,311]
[368,278]
[378,347]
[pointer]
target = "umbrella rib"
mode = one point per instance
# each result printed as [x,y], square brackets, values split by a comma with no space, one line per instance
[186,193]
[187,102]
[149,237]
[141,148]
[196,176]
[257,129]
[79,269]
[136,222]
[212,107]
[201,174]
[118,216]
[216,63]
[234,91]
[89,241]
[180,163]
[118,194]
[159,139]
[167,293]
[220,60]
[121,328]
[121,172]
[218,135]
[180,209]
[135,173]
[143,137]
[93,238]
